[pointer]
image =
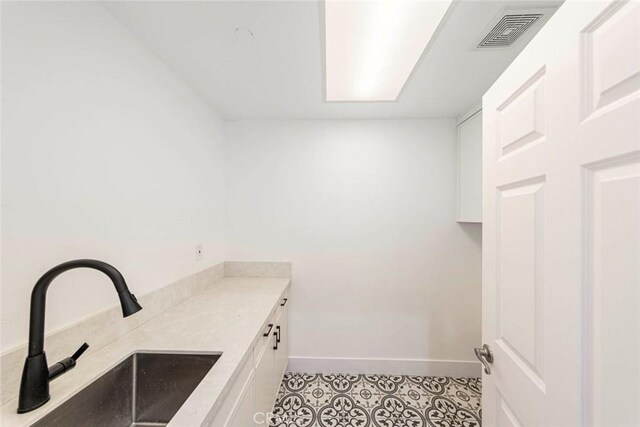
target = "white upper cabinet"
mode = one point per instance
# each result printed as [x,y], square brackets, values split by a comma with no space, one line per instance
[470,166]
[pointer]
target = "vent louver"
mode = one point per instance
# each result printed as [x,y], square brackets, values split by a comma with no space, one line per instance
[509,29]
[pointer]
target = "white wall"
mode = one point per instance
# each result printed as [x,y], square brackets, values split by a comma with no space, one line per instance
[366,210]
[106,155]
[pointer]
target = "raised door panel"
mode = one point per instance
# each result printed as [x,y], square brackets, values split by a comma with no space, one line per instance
[520,282]
[612,294]
[611,56]
[521,118]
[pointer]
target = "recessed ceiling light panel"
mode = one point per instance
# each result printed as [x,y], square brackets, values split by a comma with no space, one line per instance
[373,45]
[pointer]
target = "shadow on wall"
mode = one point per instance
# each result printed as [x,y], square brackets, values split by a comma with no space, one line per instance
[474,231]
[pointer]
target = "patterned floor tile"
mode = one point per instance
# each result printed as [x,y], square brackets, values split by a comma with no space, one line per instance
[317,400]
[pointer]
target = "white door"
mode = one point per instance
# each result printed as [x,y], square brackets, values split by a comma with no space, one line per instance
[561,232]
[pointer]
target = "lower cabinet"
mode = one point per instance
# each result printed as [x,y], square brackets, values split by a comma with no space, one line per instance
[253,394]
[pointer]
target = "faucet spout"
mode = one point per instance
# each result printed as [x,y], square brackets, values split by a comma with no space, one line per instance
[34,387]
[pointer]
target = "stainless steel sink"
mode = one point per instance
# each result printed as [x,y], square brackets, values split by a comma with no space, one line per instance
[145,389]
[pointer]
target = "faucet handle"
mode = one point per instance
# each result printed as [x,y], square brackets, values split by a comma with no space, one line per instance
[79,352]
[67,363]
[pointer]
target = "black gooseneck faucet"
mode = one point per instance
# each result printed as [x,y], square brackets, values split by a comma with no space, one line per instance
[34,386]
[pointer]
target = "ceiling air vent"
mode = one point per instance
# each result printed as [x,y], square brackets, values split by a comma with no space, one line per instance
[508,29]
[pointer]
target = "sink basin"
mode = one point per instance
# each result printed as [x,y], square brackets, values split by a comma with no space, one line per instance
[145,389]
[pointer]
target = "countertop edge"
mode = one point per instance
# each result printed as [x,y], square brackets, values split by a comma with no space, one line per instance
[219,399]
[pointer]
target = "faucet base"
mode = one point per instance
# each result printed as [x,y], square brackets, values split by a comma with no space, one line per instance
[34,386]
[33,408]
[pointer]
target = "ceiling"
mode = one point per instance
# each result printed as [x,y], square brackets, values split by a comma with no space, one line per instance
[280,73]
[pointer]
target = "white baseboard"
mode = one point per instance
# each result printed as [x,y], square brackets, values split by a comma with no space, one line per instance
[424,367]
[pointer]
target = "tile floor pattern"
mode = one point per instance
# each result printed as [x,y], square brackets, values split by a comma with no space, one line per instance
[316,400]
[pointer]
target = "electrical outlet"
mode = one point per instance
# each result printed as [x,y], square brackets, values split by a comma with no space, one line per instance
[199,252]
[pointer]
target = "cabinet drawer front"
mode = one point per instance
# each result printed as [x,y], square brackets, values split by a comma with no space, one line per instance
[263,343]
[282,304]
[281,358]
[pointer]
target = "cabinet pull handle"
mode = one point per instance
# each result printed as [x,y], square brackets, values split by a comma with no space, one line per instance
[284,302]
[266,334]
[278,333]
[275,346]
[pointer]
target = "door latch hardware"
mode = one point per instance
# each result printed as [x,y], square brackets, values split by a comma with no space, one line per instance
[485,356]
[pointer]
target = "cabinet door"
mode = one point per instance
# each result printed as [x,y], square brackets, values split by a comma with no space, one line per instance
[265,387]
[470,169]
[245,406]
[230,404]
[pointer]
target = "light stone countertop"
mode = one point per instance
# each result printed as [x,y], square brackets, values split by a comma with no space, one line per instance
[227,317]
